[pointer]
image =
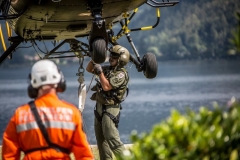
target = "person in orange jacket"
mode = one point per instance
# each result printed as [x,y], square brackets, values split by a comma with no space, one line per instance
[62,121]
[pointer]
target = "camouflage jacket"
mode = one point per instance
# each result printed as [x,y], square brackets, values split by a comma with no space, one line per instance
[118,79]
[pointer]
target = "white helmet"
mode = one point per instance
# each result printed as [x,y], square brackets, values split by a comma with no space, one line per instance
[44,72]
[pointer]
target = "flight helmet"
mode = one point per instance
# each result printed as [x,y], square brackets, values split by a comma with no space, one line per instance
[121,53]
[45,72]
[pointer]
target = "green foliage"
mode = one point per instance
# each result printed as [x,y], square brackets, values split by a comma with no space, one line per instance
[204,135]
[235,40]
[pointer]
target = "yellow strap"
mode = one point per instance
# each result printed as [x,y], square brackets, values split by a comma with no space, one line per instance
[150,27]
[8,29]
[2,39]
[158,12]
[146,28]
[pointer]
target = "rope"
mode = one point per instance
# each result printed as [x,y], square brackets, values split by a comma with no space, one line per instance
[90,84]
[130,72]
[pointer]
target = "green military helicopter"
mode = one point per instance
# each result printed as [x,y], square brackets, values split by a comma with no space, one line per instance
[67,20]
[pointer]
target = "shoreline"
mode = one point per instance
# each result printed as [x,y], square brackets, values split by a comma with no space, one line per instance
[93,148]
[93,145]
[158,60]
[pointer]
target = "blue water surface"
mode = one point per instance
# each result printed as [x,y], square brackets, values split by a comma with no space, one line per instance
[179,84]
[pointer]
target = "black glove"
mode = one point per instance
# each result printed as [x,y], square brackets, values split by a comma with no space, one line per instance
[97,69]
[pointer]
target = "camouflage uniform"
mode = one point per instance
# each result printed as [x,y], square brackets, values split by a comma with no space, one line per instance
[106,131]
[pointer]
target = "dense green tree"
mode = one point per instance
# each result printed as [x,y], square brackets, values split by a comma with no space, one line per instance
[235,40]
[191,29]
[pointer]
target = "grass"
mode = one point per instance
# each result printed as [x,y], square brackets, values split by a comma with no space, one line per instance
[93,147]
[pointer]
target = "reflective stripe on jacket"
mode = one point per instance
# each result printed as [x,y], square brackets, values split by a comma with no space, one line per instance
[64,126]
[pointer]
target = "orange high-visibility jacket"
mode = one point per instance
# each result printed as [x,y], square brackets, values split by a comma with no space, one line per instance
[64,126]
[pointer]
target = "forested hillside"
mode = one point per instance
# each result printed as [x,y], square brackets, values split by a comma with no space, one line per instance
[192,29]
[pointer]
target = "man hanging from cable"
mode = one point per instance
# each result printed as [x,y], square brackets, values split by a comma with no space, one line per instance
[110,90]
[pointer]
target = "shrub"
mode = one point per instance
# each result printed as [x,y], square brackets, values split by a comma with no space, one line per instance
[202,135]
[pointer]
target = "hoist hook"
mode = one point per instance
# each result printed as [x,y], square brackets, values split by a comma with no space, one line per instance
[82,86]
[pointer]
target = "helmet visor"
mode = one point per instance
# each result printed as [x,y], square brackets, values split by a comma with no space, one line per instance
[114,55]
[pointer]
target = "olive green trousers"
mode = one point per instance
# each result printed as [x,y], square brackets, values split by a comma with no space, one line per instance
[107,135]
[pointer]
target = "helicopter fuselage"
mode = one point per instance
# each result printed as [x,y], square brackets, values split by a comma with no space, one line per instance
[64,19]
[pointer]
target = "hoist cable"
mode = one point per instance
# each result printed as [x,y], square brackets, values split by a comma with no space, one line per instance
[90,84]
[81,81]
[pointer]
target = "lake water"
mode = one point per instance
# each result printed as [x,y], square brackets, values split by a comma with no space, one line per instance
[179,84]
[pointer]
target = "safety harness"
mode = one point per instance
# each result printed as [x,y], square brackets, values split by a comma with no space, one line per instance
[44,133]
[114,97]
[115,119]
[112,94]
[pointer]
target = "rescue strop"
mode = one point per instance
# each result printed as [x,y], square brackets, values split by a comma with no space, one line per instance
[44,133]
[81,96]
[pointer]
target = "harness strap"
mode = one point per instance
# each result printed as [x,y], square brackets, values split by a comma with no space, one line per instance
[99,118]
[44,133]
[115,119]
